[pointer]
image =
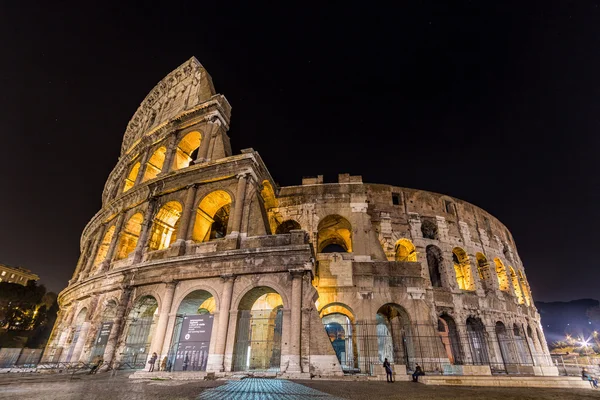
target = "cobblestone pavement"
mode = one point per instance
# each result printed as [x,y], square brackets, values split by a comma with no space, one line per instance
[252,389]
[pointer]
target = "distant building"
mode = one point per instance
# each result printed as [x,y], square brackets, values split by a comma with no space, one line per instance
[16,275]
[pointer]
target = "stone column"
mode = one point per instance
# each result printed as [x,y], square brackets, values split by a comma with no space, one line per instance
[239,204]
[215,361]
[171,149]
[141,244]
[81,263]
[203,151]
[118,323]
[296,321]
[142,170]
[110,253]
[163,319]
[94,250]
[184,231]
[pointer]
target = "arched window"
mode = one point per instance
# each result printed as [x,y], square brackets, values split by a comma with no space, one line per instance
[405,250]
[429,229]
[434,261]
[516,286]
[462,268]
[501,273]
[483,270]
[185,149]
[450,339]
[334,230]
[525,288]
[477,341]
[131,177]
[129,236]
[164,227]
[103,248]
[155,164]
[287,226]
[212,217]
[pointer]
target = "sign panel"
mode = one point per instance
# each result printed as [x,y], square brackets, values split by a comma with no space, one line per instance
[194,340]
[104,333]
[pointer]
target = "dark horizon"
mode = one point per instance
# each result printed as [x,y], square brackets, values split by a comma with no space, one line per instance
[495,104]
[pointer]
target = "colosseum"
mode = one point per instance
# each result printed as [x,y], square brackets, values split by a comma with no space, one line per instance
[198,256]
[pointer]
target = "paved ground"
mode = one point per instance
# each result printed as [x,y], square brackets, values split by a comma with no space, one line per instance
[105,387]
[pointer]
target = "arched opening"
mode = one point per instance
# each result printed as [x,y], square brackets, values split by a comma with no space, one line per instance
[129,236]
[77,336]
[338,320]
[334,229]
[522,346]
[505,342]
[462,268]
[515,282]
[164,227]
[131,177]
[434,261]
[501,273]
[109,313]
[429,229]
[525,288]
[192,332]
[185,149]
[405,250]
[287,226]
[140,330]
[155,164]
[103,248]
[212,217]
[258,332]
[483,270]
[393,327]
[450,339]
[478,346]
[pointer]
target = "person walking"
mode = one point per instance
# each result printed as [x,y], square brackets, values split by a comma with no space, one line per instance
[388,371]
[152,361]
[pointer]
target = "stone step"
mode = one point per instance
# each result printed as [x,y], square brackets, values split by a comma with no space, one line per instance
[507,381]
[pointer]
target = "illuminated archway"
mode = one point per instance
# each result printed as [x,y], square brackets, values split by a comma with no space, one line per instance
[393,334]
[132,176]
[140,330]
[338,321]
[334,230]
[434,261]
[462,268]
[212,217]
[258,331]
[525,288]
[129,236]
[155,164]
[405,250]
[516,286]
[186,149]
[164,227]
[501,273]
[103,248]
[483,270]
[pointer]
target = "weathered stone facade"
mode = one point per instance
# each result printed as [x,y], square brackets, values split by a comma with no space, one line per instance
[320,278]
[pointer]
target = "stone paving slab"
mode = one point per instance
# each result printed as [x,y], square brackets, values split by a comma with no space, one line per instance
[264,389]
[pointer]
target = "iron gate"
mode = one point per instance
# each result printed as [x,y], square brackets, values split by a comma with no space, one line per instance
[258,340]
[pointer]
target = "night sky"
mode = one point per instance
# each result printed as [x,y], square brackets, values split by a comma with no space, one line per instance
[496,104]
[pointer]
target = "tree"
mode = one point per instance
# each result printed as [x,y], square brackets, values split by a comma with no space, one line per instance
[19,304]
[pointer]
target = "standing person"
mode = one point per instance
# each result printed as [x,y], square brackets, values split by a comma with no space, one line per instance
[152,361]
[418,372]
[388,371]
[163,364]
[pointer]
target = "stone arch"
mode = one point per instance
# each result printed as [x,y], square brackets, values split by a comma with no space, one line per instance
[405,250]
[186,150]
[477,340]
[164,226]
[462,268]
[483,270]
[268,282]
[516,286]
[393,333]
[155,164]
[103,248]
[196,288]
[335,231]
[141,323]
[131,176]
[195,300]
[212,216]
[109,310]
[429,229]
[434,262]
[339,323]
[505,344]
[502,276]
[129,235]
[287,226]
[260,323]
[450,339]
[525,288]
[337,308]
